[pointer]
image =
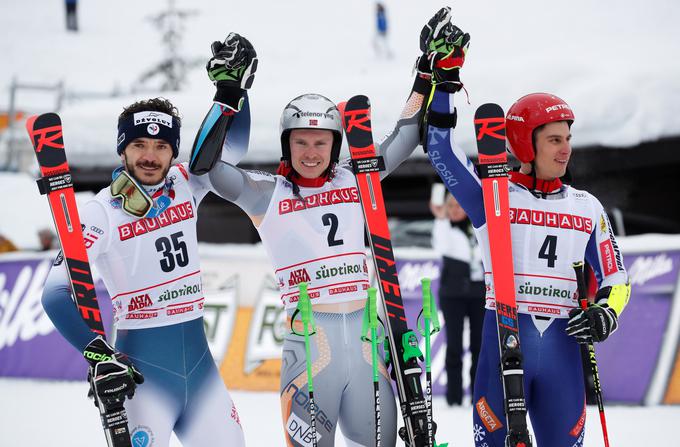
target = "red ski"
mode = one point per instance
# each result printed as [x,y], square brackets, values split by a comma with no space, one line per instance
[418,430]
[46,135]
[493,172]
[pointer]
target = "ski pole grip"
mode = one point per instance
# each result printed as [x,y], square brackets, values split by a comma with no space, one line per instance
[304,305]
[581,284]
[372,308]
[427,297]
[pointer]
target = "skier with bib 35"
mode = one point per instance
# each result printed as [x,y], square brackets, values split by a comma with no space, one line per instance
[140,234]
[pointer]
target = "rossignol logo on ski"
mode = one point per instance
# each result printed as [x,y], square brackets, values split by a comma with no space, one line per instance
[51,138]
[47,136]
[357,118]
[492,127]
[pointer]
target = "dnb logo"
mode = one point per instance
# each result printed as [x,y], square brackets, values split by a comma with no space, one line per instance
[142,436]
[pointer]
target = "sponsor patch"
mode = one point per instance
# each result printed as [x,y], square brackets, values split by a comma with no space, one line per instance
[153,129]
[608,257]
[142,436]
[234,414]
[59,259]
[333,197]
[159,118]
[540,218]
[603,224]
[578,428]
[170,216]
[544,310]
[300,431]
[489,419]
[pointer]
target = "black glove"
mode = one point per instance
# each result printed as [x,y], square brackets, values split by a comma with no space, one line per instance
[232,69]
[595,324]
[111,375]
[444,48]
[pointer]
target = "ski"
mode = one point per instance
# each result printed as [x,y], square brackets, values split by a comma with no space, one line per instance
[403,343]
[493,172]
[45,132]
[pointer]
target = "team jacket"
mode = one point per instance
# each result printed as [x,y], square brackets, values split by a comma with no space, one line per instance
[317,237]
[548,234]
[150,266]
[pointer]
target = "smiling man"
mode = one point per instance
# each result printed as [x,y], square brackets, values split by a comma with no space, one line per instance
[312,226]
[552,226]
[140,234]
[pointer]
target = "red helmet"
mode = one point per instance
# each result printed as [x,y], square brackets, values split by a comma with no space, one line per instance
[528,113]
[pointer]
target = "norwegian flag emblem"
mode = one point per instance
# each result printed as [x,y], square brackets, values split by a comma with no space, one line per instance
[313,122]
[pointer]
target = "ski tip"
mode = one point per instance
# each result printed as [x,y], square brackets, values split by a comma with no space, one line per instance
[489,109]
[51,118]
[358,101]
[341,108]
[30,123]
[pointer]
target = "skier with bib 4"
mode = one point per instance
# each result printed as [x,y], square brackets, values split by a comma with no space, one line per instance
[552,225]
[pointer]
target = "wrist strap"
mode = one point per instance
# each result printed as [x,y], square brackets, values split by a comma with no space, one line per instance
[442,120]
[231,97]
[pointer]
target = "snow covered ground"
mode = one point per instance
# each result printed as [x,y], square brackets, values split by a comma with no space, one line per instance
[612,60]
[47,414]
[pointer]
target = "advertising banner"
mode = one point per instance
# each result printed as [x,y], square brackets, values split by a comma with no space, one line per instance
[245,322]
[30,346]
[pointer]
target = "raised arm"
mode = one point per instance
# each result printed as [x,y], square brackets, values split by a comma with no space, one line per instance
[232,69]
[445,47]
[398,145]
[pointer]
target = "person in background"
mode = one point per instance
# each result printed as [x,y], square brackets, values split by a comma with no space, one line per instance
[6,245]
[71,15]
[48,240]
[461,288]
[381,44]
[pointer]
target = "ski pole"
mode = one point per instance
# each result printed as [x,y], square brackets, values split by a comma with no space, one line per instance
[431,326]
[305,307]
[371,322]
[583,301]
